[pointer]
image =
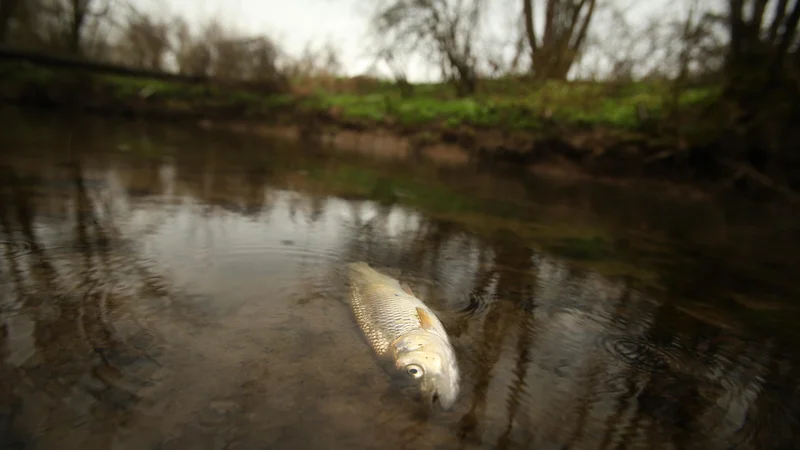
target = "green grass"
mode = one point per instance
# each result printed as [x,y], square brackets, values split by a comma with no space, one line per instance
[504,104]
[125,88]
[520,107]
[21,72]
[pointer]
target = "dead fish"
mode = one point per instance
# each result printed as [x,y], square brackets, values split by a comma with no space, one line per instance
[401,329]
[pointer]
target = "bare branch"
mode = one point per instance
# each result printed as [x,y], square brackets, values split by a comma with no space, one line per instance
[584,28]
[790,29]
[780,14]
[757,15]
[566,25]
[529,25]
[447,26]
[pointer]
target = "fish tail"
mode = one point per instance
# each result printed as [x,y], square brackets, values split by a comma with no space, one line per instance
[366,272]
[362,271]
[360,267]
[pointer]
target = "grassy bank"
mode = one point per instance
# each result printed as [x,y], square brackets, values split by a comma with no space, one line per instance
[114,93]
[509,105]
[639,130]
[513,105]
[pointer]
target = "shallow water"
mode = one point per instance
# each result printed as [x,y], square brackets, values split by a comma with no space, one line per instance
[170,288]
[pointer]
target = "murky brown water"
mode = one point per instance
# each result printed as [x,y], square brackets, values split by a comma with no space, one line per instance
[163,288]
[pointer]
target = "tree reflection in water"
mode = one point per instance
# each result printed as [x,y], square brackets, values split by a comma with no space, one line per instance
[198,301]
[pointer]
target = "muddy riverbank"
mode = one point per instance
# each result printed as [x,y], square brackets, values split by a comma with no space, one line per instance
[634,149]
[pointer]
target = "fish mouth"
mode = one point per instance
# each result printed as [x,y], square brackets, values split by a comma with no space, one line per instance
[435,403]
[431,399]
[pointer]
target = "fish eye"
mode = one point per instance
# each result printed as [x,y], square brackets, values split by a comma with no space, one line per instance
[414,371]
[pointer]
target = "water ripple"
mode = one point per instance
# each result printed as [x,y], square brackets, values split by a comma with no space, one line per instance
[641,354]
[284,251]
[18,248]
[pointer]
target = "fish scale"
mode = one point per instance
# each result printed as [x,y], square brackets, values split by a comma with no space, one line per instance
[383,310]
[383,315]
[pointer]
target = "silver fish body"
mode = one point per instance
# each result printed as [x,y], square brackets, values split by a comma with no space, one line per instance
[401,328]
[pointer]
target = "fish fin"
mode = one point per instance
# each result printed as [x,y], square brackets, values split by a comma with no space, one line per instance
[359,266]
[425,319]
[364,267]
[389,272]
[407,289]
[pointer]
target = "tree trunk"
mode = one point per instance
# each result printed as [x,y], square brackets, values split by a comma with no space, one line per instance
[74,40]
[759,68]
[553,57]
[7,8]
[527,7]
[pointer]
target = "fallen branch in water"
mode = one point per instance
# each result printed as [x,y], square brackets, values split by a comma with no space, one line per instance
[747,171]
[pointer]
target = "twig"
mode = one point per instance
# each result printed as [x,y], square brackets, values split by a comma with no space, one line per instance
[764,180]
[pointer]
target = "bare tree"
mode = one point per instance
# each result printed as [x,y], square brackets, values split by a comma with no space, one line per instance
[263,60]
[683,36]
[144,42]
[566,23]
[502,53]
[519,50]
[230,57]
[692,33]
[316,62]
[762,68]
[73,17]
[30,24]
[442,30]
[217,52]
[192,55]
[397,65]
[761,50]
[305,64]
[245,58]
[620,49]
[60,25]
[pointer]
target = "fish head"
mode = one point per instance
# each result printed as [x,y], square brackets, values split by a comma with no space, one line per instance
[427,360]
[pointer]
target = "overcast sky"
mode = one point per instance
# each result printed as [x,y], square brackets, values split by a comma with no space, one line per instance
[295,23]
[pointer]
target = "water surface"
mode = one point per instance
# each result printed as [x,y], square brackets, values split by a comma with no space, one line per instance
[169,288]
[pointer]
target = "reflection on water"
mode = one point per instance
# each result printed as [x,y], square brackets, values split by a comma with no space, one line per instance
[194,297]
